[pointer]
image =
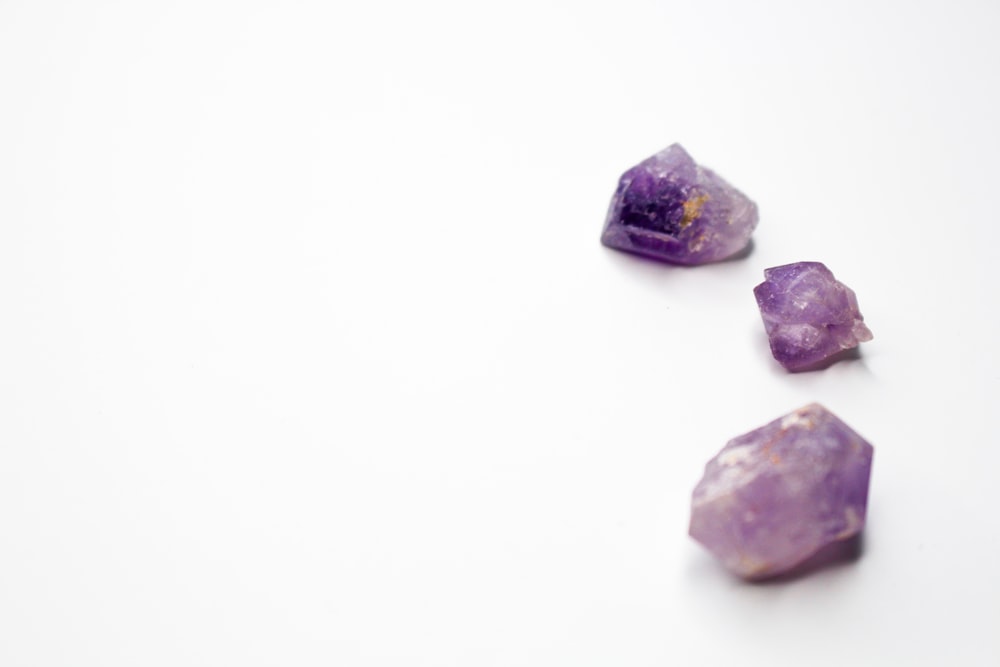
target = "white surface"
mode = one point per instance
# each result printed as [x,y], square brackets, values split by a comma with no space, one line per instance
[311,356]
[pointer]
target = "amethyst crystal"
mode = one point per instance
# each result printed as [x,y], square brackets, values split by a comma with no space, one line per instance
[776,495]
[669,208]
[809,315]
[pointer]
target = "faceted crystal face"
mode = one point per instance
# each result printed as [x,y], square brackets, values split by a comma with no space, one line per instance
[808,314]
[669,208]
[776,495]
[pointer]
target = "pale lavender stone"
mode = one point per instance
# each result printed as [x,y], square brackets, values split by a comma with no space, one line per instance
[809,315]
[776,495]
[671,209]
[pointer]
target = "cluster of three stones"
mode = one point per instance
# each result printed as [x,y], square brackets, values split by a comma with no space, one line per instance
[777,495]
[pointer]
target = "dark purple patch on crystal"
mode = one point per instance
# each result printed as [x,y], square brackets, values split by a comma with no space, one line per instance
[657,206]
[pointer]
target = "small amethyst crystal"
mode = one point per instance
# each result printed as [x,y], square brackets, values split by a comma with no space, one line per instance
[669,208]
[776,495]
[809,315]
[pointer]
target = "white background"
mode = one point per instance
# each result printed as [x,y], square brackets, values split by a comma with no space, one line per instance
[310,354]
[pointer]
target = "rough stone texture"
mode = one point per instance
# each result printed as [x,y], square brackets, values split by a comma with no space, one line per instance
[809,315]
[776,495]
[669,208]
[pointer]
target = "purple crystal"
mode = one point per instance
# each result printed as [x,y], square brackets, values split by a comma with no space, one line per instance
[776,495]
[669,208]
[809,315]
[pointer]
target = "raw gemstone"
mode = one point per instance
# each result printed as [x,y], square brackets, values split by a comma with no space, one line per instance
[669,208]
[776,495]
[809,315]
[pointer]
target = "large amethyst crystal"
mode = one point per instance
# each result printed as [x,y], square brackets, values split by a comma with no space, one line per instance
[671,209]
[776,495]
[809,315]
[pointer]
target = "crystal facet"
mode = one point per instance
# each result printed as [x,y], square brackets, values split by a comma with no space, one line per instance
[776,495]
[669,208]
[809,315]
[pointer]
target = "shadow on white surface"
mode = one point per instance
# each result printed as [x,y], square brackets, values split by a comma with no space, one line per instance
[833,557]
[738,257]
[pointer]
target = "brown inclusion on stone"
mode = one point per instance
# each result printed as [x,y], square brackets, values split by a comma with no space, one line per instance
[692,209]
